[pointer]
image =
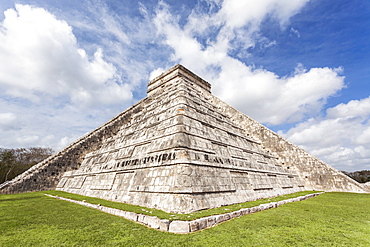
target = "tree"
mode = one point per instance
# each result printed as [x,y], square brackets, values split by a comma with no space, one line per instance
[7,163]
[15,161]
[360,176]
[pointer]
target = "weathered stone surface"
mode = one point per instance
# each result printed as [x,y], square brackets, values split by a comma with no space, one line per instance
[141,218]
[178,226]
[153,222]
[131,216]
[164,225]
[181,149]
[202,223]
[194,226]
[221,218]
[211,221]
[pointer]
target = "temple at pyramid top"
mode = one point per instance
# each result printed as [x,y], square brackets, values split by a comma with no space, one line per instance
[181,149]
[177,71]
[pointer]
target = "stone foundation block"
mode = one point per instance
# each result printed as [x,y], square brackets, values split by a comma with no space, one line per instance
[235,214]
[254,209]
[131,216]
[220,218]
[245,211]
[153,222]
[178,226]
[202,223]
[142,219]
[164,225]
[194,226]
[227,216]
[274,204]
[211,221]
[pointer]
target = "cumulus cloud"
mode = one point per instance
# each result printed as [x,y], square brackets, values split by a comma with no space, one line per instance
[52,88]
[40,56]
[257,92]
[156,73]
[273,100]
[8,121]
[342,137]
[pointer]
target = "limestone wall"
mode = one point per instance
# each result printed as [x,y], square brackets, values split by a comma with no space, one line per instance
[180,154]
[316,174]
[47,174]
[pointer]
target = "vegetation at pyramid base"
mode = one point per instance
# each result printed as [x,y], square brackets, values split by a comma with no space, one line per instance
[331,219]
[16,161]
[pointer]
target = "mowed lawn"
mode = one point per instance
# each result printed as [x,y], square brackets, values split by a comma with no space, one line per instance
[331,219]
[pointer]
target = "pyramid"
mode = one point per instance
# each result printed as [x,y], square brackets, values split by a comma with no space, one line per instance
[180,150]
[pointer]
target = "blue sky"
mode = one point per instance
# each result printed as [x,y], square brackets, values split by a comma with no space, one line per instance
[299,67]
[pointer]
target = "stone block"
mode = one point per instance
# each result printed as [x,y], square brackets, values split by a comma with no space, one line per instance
[194,226]
[121,213]
[245,211]
[141,218]
[227,216]
[115,211]
[202,223]
[235,214]
[164,225]
[254,209]
[220,218]
[153,222]
[131,216]
[179,226]
[211,221]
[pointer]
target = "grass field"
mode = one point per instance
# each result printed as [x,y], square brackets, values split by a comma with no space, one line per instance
[331,219]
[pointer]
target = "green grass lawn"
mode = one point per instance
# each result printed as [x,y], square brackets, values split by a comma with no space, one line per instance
[331,219]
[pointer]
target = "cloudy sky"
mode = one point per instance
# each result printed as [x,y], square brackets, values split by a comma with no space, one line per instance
[299,67]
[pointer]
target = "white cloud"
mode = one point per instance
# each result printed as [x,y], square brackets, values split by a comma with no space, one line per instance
[274,100]
[8,121]
[156,73]
[295,32]
[341,138]
[354,108]
[40,56]
[27,140]
[237,13]
[52,89]
[257,92]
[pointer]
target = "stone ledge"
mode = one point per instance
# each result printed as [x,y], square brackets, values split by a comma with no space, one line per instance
[184,227]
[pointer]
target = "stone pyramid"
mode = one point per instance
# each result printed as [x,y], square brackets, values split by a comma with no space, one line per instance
[180,150]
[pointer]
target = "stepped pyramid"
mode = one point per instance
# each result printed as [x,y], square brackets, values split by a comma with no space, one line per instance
[180,150]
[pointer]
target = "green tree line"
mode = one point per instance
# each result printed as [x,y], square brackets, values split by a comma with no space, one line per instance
[15,161]
[360,176]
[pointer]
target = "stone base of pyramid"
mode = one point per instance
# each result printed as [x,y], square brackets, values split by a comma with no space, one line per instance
[182,188]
